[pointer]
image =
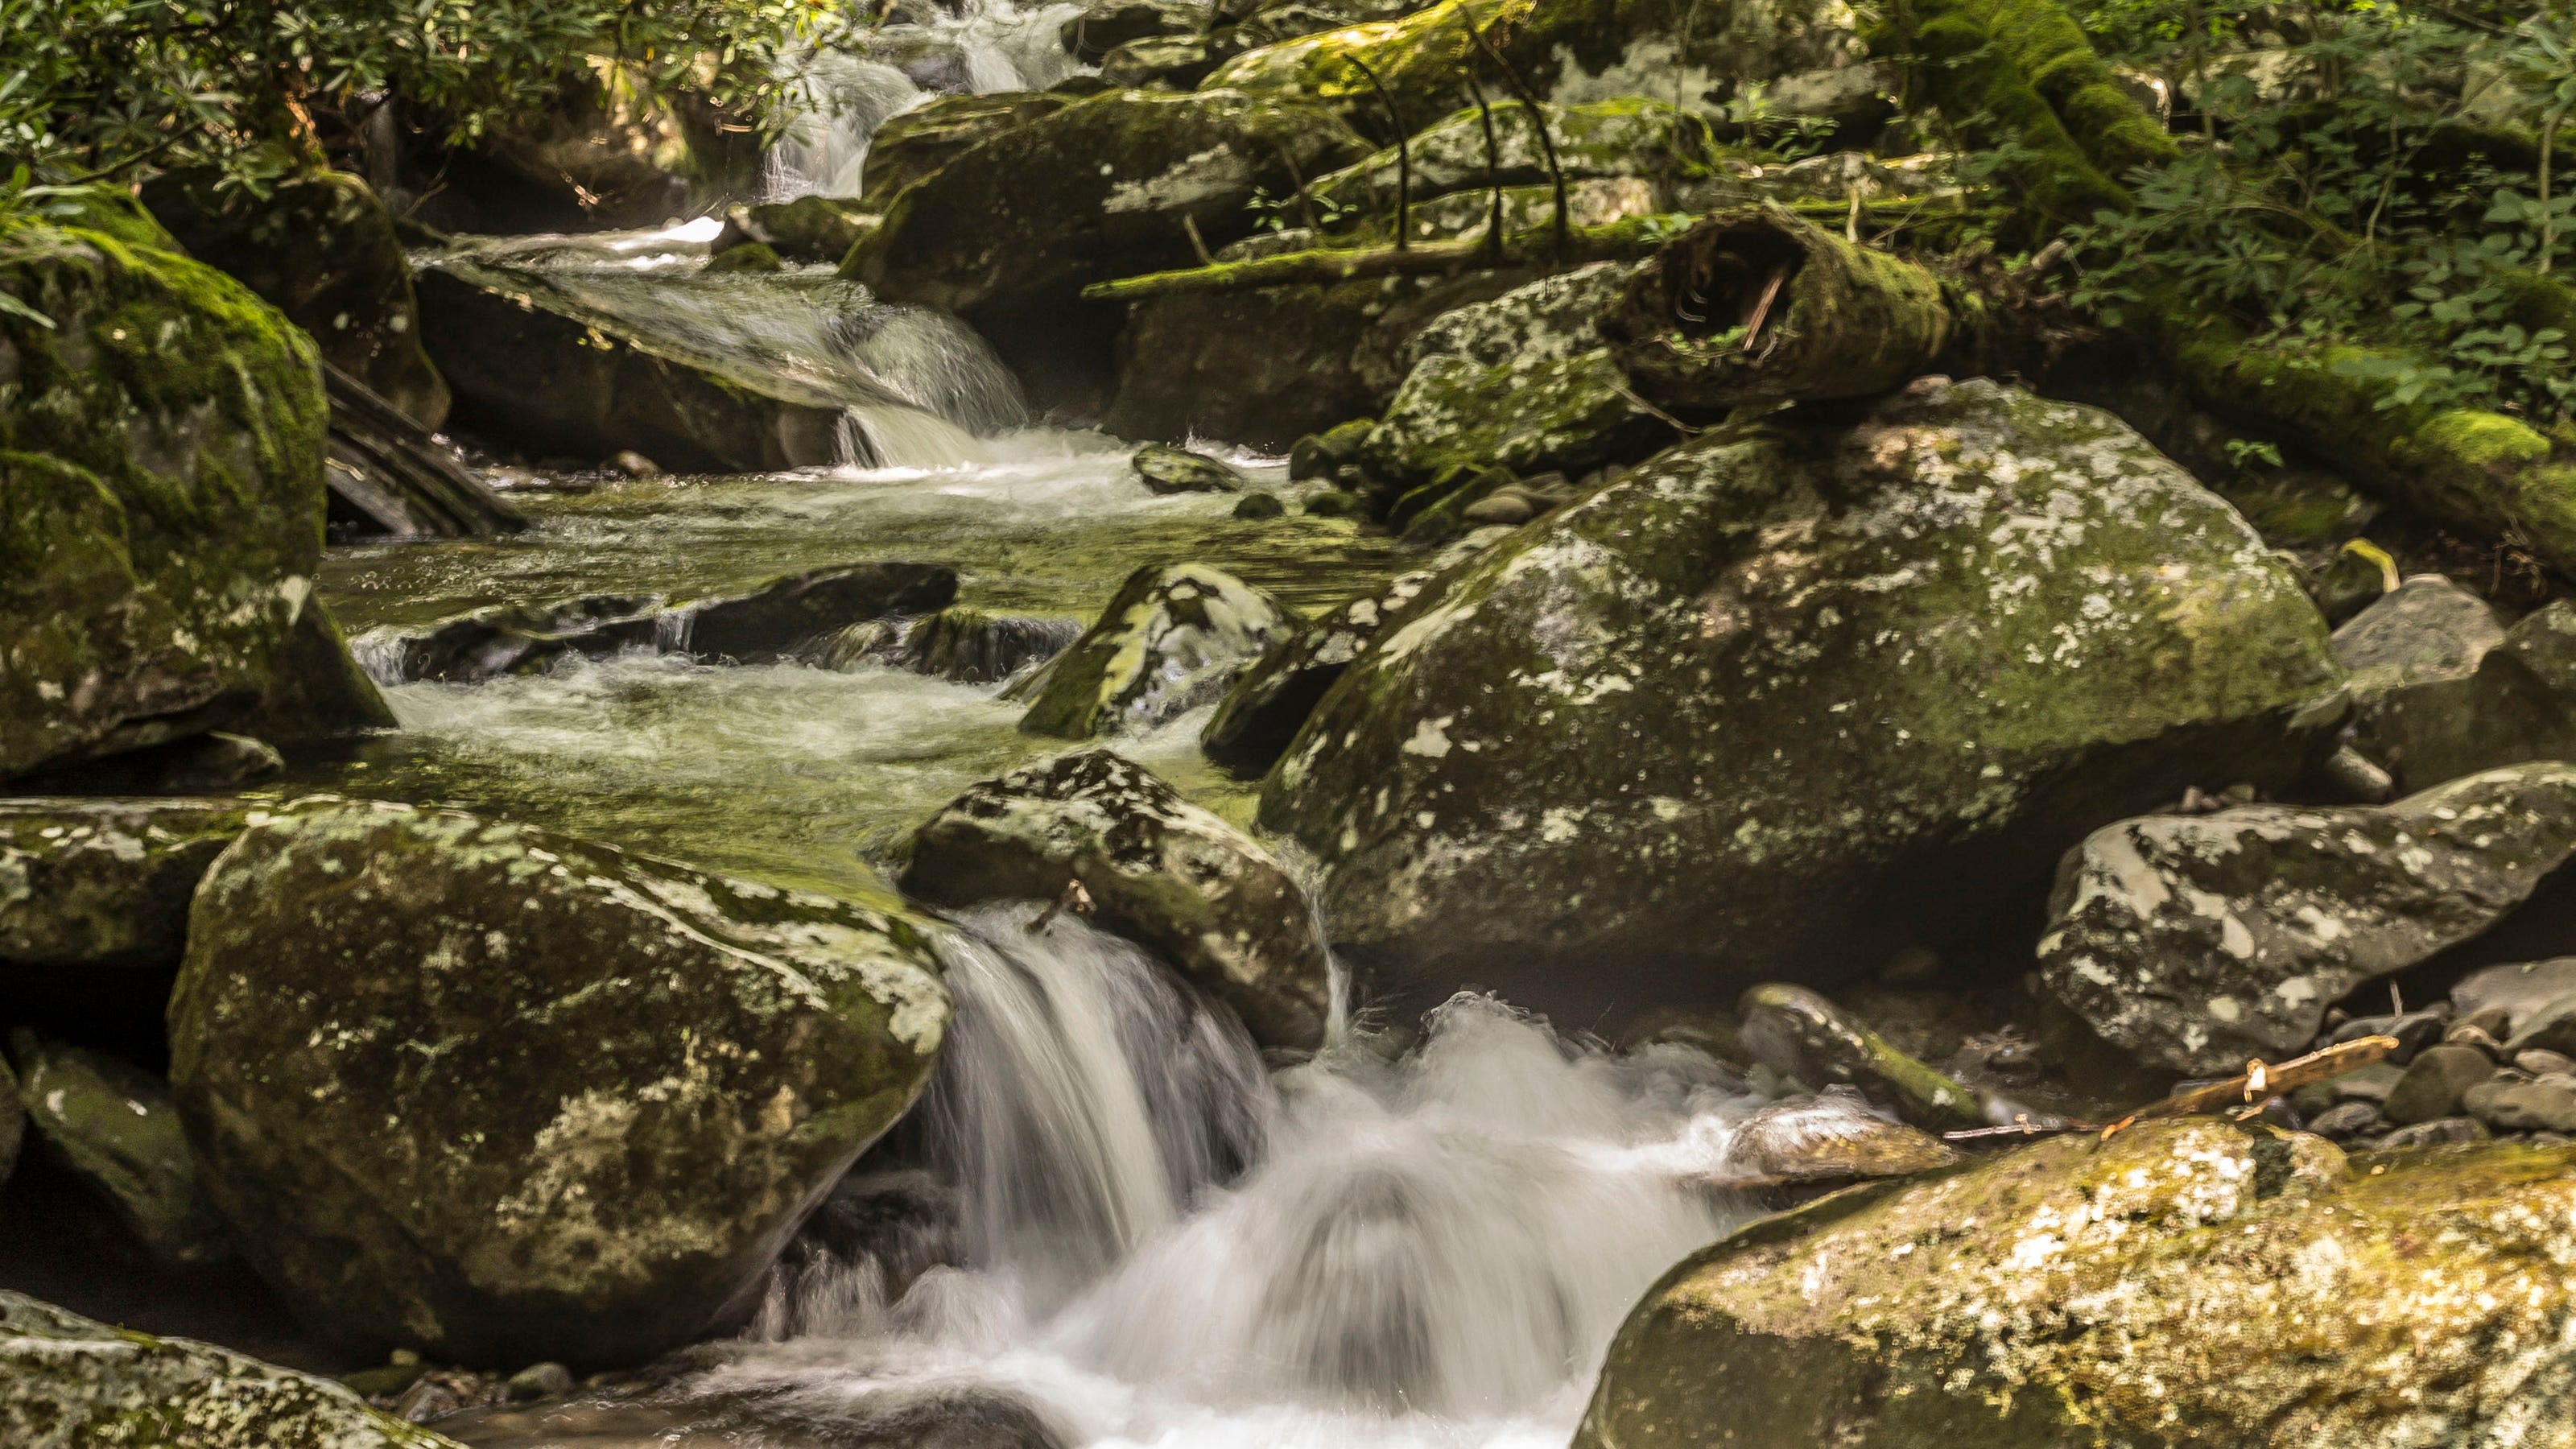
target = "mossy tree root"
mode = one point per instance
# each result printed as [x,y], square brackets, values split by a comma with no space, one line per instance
[1758,306]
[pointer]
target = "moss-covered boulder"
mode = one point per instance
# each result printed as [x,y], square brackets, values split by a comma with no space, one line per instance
[161,504]
[72,1383]
[1795,695]
[504,1096]
[320,248]
[2187,1282]
[1163,468]
[918,142]
[1007,234]
[1573,51]
[1553,319]
[1173,639]
[1652,140]
[2197,942]
[94,903]
[809,229]
[1269,704]
[1159,870]
[113,1126]
[1164,62]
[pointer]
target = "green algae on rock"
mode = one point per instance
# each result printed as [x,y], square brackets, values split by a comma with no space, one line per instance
[161,498]
[114,1126]
[918,142]
[2196,942]
[501,1095]
[1785,690]
[1173,638]
[2187,1282]
[1158,869]
[77,1384]
[1527,415]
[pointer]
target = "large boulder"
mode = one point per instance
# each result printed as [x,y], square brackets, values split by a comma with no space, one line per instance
[2448,694]
[71,1383]
[1795,695]
[320,248]
[161,506]
[2187,1282]
[113,1126]
[2197,942]
[1531,414]
[915,143]
[1007,234]
[94,903]
[1158,869]
[1173,639]
[1266,707]
[504,1096]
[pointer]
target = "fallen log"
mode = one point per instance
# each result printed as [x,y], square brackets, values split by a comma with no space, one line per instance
[1759,306]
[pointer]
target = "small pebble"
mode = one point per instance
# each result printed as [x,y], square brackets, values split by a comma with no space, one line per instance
[2346,1120]
[2542,1063]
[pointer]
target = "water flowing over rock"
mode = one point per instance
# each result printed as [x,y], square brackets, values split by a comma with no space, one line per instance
[163,496]
[961,643]
[504,1096]
[1158,869]
[2189,1281]
[1178,470]
[1830,1137]
[1802,694]
[114,1126]
[74,1383]
[1172,639]
[1007,234]
[2197,942]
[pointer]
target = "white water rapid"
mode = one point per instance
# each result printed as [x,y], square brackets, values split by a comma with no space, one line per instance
[1138,1237]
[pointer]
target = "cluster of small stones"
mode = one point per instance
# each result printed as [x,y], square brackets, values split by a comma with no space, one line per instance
[2497,1059]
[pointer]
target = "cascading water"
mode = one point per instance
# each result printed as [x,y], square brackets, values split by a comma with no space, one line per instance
[1146,1240]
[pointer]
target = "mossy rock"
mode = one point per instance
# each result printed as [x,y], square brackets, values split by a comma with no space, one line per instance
[1007,234]
[808,229]
[320,248]
[97,207]
[1164,62]
[1796,695]
[1529,415]
[501,1096]
[1269,704]
[161,497]
[1803,1036]
[746,256]
[915,143]
[1654,141]
[1159,870]
[113,1126]
[74,1383]
[2186,1282]
[1173,639]
[1105,25]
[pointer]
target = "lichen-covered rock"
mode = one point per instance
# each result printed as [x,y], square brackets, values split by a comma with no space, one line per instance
[1167,469]
[1795,695]
[69,1383]
[1158,869]
[1529,415]
[2187,1282]
[1828,1137]
[1269,704]
[1007,234]
[320,248]
[113,1126]
[918,142]
[2197,942]
[161,499]
[1652,140]
[1173,639]
[501,1095]
[1554,319]
[1801,1035]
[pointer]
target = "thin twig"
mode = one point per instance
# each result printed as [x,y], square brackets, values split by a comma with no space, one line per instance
[1403,156]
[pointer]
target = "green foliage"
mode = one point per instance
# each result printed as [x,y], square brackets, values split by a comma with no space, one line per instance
[92,89]
[2371,173]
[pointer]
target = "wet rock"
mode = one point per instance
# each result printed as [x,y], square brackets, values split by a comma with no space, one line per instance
[773,621]
[809,229]
[1701,715]
[1630,137]
[1455,414]
[2521,1106]
[1831,1137]
[2442,1132]
[320,248]
[540,1381]
[746,256]
[1178,470]
[1173,62]
[73,1382]
[2345,1121]
[162,481]
[115,1128]
[1800,1034]
[532,366]
[1316,455]
[919,141]
[2025,1298]
[1108,24]
[2435,1082]
[1007,235]
[943,1418]
[2197,942]
[1158,869]
[508,639]
[1335,503]
[1257,506]
[92,886]
[619,1082]
[965,644]
[1269,704]
[1172,639]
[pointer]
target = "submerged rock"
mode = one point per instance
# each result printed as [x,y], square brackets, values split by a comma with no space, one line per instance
[161,481]
[960,643]
[1269,704]
[114,1126]
[500,1095]
[1173,638]
[73,1383]
[2197,942]
[1178,470]
[1158,870]
[1794,696]
[2188,1281]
